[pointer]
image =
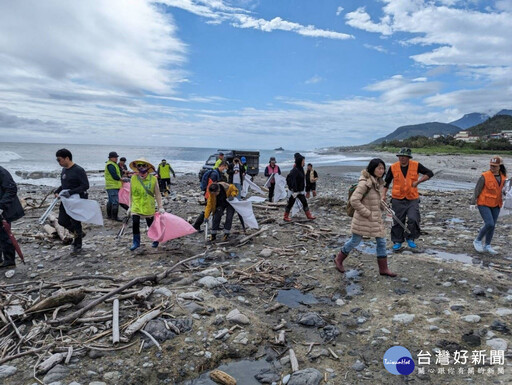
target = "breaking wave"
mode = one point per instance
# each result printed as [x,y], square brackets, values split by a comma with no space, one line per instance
[7,156]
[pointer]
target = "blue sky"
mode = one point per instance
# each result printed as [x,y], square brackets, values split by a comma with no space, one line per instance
[247,73]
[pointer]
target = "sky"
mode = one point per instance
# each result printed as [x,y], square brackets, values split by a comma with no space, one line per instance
[247,73]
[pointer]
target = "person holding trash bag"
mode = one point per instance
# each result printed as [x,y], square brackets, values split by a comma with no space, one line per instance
[271,170]
[488,196]
[367,220]
[10,210]
[296,180]
[73,181]
[144,191]
[217,203]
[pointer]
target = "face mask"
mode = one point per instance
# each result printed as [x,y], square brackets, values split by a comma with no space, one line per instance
[142,170]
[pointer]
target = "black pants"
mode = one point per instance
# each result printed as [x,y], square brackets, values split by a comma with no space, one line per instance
[291,202]
[403,209]
[75,227]
[6,247]
[271,189]
[217,217]
[310,187]
[163,183]
[136,223]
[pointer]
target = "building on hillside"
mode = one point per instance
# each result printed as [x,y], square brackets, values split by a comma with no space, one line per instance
[497,135]
[465,137]
[507,134]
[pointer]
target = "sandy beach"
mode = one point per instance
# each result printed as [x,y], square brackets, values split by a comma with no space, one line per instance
[446,297]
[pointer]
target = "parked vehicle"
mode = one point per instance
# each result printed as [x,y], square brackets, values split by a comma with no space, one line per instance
[252,157]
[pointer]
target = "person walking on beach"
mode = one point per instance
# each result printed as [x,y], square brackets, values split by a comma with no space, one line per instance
[270,170]
[113,183]
[209,177]
[219,160]
[236,174]
[296,181]
[164,174]
[10,210]
[367,220]
[219,194]
[311,178]
[124,168]
[73,180]
[405,202]
[488,196]
[144,192]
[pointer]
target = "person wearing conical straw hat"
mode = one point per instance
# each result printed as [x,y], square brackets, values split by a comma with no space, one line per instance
[144,192]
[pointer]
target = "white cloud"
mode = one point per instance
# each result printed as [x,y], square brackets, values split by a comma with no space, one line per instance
[339,10]
[460,36]
[361,19]
[378,48]
[397,88]
[217,11]
[314,80]
[125,46]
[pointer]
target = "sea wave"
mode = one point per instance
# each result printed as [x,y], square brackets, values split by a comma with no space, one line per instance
[7,156]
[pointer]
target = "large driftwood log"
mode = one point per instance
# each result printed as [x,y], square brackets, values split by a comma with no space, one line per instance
[58,299]
[63,233]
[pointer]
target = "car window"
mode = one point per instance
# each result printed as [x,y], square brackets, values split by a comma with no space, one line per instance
[211,160]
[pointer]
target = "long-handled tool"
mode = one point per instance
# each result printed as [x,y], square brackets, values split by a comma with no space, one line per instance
[206,231]
[48,211]
[397,220]
[126,219]
[7,229]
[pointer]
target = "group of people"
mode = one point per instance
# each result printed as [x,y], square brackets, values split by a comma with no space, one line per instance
[369,201]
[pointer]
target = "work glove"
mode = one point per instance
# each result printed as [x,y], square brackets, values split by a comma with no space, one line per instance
[125,180]
[65,194]
[161,210]
[472,207]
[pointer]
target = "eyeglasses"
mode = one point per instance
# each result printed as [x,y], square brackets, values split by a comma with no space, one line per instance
[139,165]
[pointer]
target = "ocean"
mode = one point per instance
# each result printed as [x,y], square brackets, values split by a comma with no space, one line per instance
[40,157]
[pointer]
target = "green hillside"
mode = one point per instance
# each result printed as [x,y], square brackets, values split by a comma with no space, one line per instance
[494,125]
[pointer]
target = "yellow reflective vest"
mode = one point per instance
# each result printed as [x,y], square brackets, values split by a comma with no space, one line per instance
[111,183]
[164,171]
[142,202]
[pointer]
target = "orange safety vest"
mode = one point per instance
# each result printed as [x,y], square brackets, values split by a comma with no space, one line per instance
[402,187]
[491,193]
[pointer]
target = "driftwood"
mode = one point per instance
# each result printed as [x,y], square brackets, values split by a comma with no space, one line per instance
[63,233]
[139,323]
[151,338]
[222,378]
[115,322]
[50,362]
[58,299]
[293,361]
[143,294]
[249,237]
[50,230]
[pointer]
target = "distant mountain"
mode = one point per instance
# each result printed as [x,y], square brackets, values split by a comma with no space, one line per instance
[423,129]
[497,123]
[505,112]
[470,120]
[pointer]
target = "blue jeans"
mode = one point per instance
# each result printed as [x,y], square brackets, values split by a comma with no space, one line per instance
[490,217]
[239,187]
[113,196]
[356,240]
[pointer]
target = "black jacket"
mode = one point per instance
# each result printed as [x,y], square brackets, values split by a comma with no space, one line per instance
[9,202]
[296,178]
[231,172]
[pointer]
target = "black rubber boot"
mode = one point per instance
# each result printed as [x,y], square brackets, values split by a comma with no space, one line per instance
[109,210]
[199,221]
[115,213]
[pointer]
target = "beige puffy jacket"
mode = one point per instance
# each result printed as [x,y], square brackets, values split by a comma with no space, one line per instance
[367,220]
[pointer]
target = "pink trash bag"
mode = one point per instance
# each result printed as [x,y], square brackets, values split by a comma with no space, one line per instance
[124,194]
[167,226]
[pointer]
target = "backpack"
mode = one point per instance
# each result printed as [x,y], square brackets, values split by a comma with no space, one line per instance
[350,210]
[204,180]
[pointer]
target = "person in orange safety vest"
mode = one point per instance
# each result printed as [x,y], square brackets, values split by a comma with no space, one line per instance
[405,202]
[488,196]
